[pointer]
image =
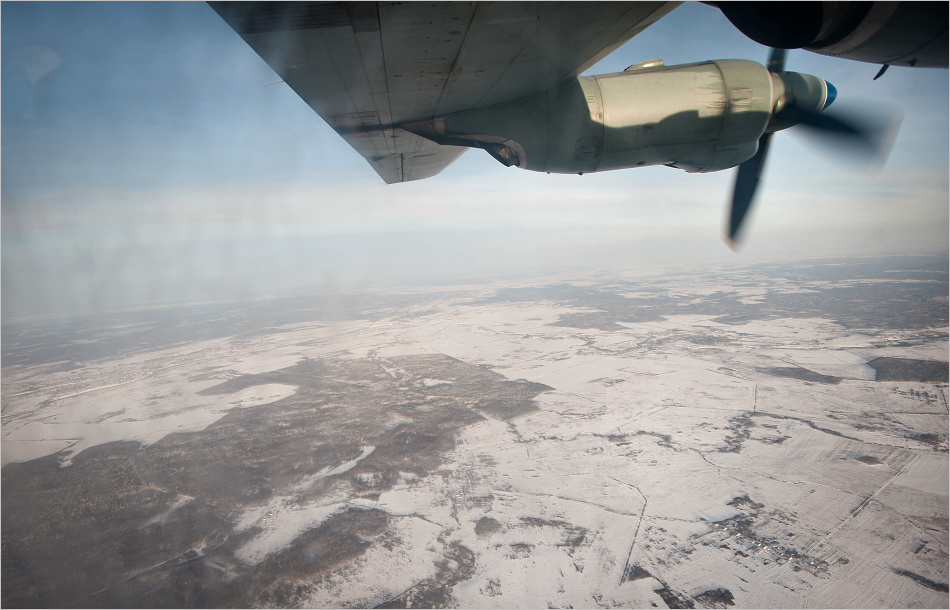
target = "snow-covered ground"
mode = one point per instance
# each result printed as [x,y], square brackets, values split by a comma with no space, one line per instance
[657,469]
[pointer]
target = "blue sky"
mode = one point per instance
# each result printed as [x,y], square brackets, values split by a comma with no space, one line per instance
[145,160]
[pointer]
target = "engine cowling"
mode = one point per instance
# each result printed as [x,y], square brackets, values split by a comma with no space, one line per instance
[699,117]
[896,33]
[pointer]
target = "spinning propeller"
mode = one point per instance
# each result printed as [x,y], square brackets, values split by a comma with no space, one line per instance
[801,100]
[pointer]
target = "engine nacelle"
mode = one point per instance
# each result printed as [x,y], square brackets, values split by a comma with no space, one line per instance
[896,33]
[699,117]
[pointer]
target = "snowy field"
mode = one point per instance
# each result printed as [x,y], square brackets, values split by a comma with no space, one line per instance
[671,462]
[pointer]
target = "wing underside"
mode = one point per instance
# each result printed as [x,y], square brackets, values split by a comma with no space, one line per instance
[368,67]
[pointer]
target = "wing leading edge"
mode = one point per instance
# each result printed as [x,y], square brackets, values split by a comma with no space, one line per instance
[367,67]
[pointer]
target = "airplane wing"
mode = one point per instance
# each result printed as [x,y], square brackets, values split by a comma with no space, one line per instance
[368,67]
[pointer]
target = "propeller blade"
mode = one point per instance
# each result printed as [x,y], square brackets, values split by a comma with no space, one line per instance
[804,100]
[828,123]
[743,193]
[860,138]
[777,60]
[750,172]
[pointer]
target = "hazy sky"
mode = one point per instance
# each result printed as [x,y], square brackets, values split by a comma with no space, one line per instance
[144,159]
